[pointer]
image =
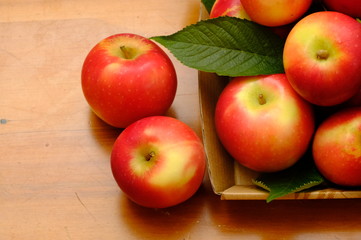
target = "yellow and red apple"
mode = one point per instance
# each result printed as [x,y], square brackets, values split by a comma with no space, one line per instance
[231,8]
[322,57]
[275,12]
[263,123]
[337,147]
[126,77]
[158,162]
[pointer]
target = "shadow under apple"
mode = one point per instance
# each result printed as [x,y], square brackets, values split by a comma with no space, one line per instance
[104,134]
[168,223]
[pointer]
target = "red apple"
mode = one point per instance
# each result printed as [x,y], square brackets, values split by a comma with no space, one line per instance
[337,148]
[263,123]
[322,57]
[232,8]
[282,31]
[275,12]
[126,77]
[158,162]
[349,7]
[354,101]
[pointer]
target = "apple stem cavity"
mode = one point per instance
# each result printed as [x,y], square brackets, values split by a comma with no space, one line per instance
[322,54]
[261,99]
[149,156]
[125,52]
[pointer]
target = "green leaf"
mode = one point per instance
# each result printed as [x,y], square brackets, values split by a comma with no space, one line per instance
[208,4]
[227,46]
[303,175]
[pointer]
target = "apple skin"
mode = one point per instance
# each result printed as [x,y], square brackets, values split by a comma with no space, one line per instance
[322,57]
[126,77]
[266,136]
[234,8]
[158,162]
[275,13]
[354,101]
[231,8]
[336,147]
[349,7]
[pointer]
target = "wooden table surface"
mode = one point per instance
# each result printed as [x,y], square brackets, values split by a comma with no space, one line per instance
[55,178]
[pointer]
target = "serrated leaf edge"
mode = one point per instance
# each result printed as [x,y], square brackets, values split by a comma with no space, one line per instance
[260,184]
[297,189]
[272,197]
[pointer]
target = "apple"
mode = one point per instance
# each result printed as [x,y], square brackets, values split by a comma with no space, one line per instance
[234,8]
[231,8]
[126,77]
[322,57]
[158,162]
[263,123]
[354,101]
[337,147]
[282,31]
[349,7]
[275,12]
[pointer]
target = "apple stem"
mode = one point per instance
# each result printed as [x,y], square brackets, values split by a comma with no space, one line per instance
[322,54]
[149,156]
[261,99]
[125,52]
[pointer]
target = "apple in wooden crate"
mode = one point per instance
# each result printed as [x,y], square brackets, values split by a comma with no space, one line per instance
[231,8]
[349,7]
[322,57]
[126,77]
[263,123]
[337,147]
[158,162]
[275,12]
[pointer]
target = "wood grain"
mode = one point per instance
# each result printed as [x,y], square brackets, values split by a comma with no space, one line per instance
[55,179]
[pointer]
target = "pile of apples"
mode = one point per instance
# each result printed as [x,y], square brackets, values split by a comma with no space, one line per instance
[268,122]
[265,122]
